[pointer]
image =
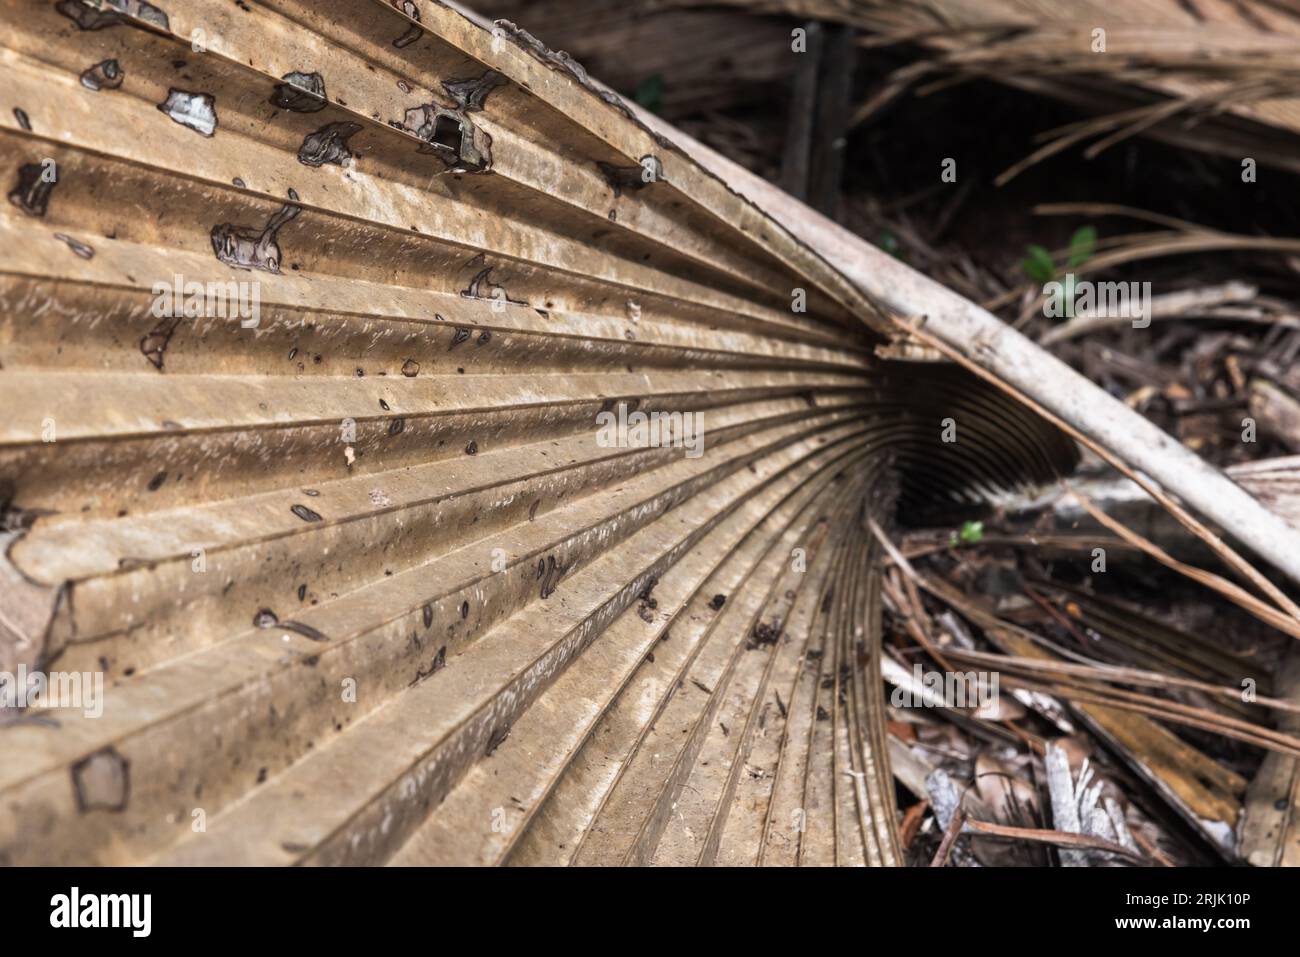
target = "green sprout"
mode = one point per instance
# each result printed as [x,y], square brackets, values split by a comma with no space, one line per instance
[1039,266]
[972,533]
[890,244]
[1082,245]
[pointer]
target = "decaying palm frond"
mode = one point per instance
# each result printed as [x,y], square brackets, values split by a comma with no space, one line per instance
[372,559]
[364,576]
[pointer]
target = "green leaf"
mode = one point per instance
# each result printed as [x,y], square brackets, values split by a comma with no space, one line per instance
[890,244]
[1038,264]
[1082,245]
[972,533]
[650,93]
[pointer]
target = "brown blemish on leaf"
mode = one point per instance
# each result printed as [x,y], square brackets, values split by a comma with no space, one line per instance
[32,194]
[622,177]
[409,8]
[497,739]
[247,248]
[102,782]
[554,572]
[434,666]
[470,95]
[765,633]
[195,111]
[646,609]
[482,287]
[307,631]
[439,660]
[92,16]
[76,245]
[329,144]
[104,75]
[300,93]
[154,345]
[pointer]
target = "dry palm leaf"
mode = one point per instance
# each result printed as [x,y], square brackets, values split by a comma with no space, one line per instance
[1230,63]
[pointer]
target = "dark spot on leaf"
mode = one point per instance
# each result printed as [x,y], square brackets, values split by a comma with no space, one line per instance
[414,33]
[77,246]
[128,12]
[329,144]
[104,75]
[307,631]
[250,248]
[102,782]
[439,660]
[32,194]
[498,738]
[471,95]
[195,111]
[300,93]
